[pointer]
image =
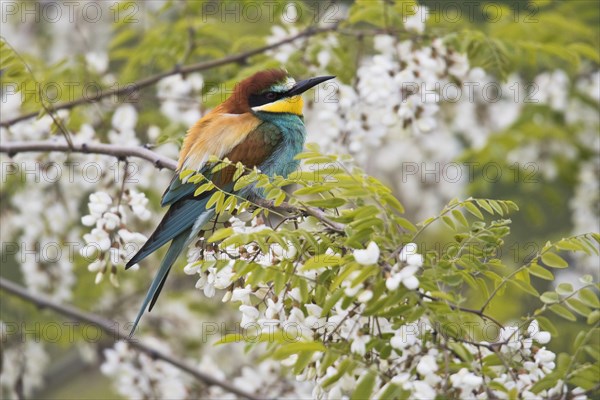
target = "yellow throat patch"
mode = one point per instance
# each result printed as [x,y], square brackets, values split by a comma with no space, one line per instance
[291,105]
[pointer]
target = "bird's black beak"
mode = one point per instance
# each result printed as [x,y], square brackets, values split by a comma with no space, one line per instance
[303,86]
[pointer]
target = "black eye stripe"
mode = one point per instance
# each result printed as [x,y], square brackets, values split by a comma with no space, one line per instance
[255,100]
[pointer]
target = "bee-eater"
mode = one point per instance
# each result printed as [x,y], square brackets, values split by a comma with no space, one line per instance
[260,125]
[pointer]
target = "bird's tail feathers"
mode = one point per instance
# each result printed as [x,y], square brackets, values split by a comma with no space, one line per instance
[177,246]
[175,249]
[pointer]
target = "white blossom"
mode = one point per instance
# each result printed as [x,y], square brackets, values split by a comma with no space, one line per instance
[97,239]
[138,375]
[409,255]
[368,256]
[416,22]
[249,315]
[138,203]
[542,337]
[422,390]
[31,360]
[242,294]
[365,296]
[466,381]
[427,365]
[97,61]
[125,118]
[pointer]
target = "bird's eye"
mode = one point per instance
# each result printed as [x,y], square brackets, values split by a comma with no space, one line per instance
[270,96]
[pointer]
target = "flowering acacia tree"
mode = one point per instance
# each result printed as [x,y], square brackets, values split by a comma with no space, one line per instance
[332,288]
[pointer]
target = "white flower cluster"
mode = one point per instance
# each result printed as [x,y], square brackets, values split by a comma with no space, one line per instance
[586,212]
[410,97]
[179,98]
[41,211]
[406,275]
[417,362]
[585,202]
[97,61]
[24,367]
[368,256]
[392,114]
[419,367]
[123,121]
[43,214]
[266,380]
[138,376]
[403,272]
[52,272]
[287,29]
[536,363]
[110,243]
[552,88]
[221,278]
[416,22]
[279,33]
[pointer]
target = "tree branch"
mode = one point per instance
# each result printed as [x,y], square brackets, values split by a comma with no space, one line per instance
[121,152]
[131,88]
[112,328]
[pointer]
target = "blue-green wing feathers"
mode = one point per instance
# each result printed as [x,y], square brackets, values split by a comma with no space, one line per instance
[178,219]
[177,190]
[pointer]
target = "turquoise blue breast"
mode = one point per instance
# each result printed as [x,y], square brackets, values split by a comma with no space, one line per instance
[293,134]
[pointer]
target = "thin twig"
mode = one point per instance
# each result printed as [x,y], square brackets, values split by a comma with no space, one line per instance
[112,329]
[479,313]
[133,87]
[312,211]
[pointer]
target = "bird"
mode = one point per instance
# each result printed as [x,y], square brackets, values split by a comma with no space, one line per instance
[260,125]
